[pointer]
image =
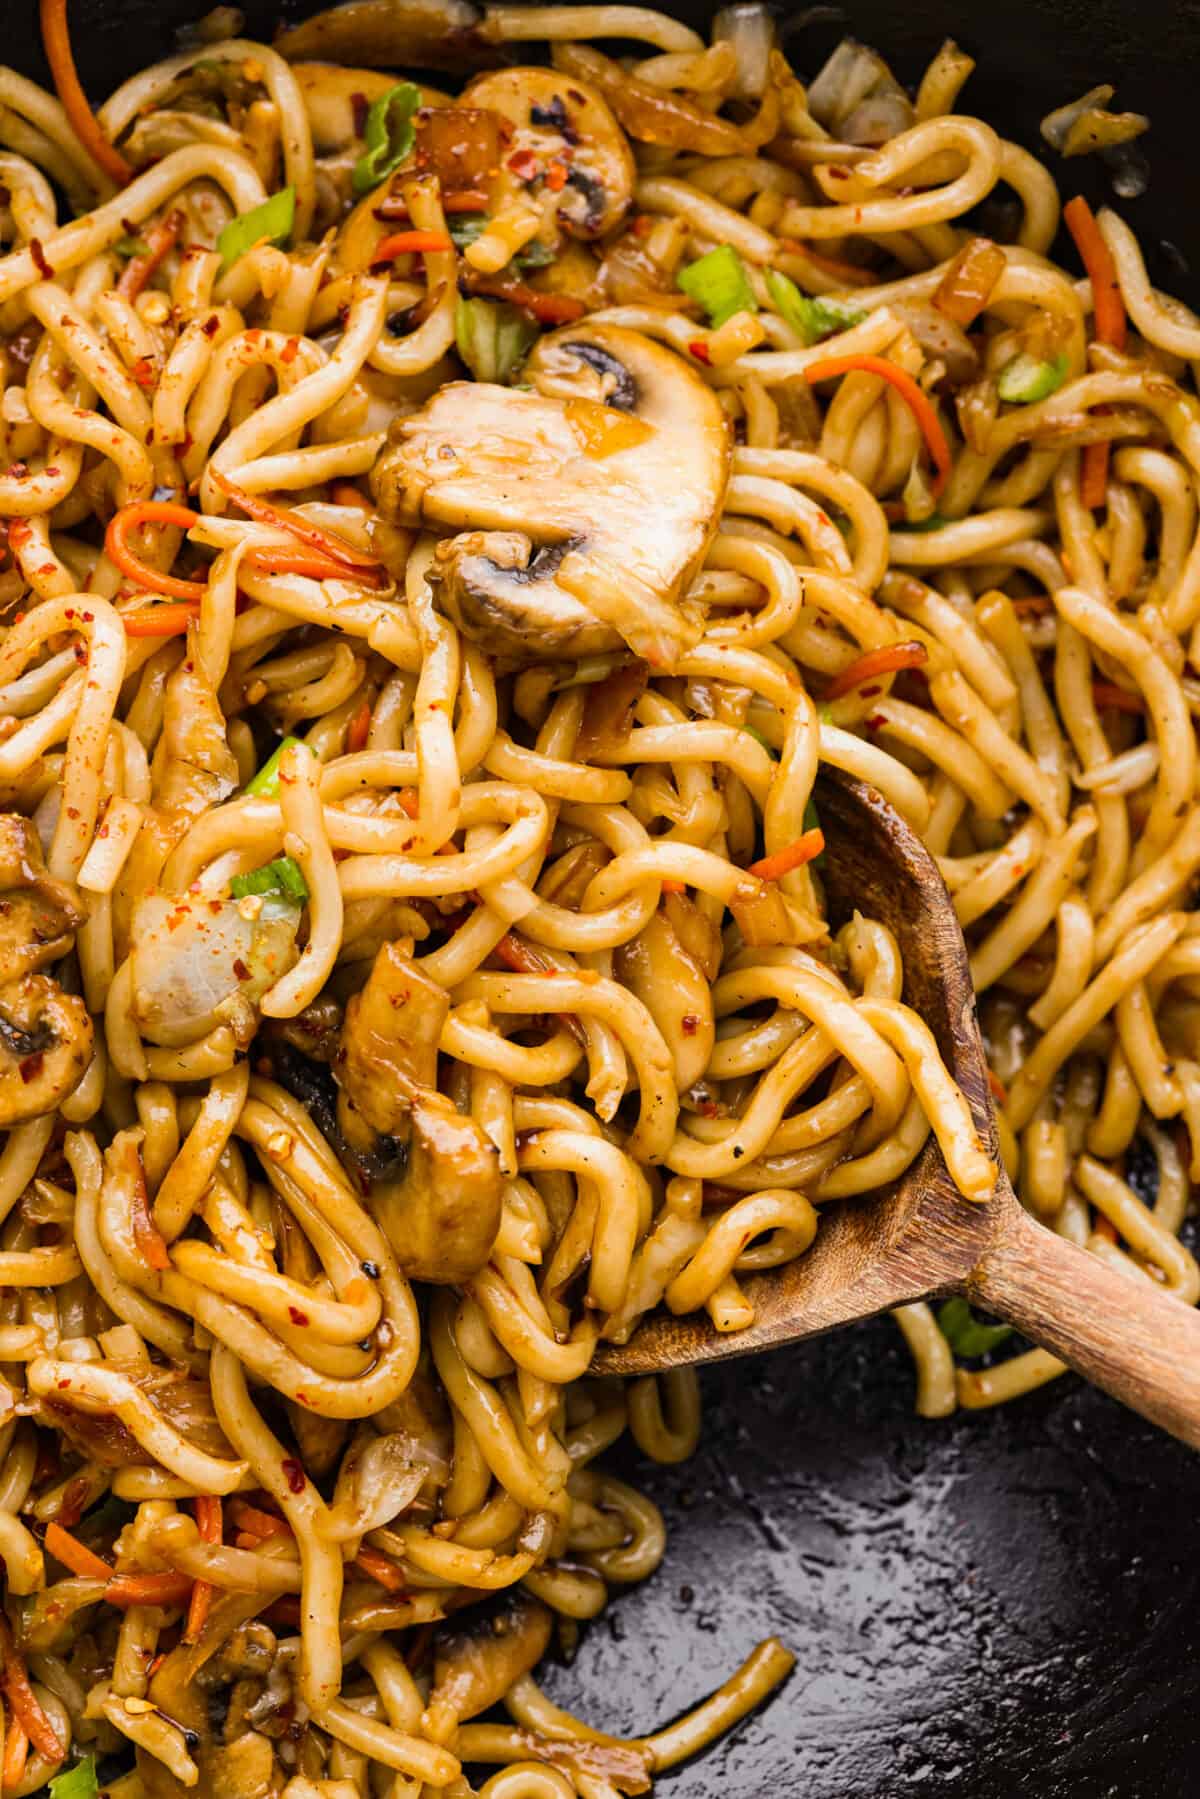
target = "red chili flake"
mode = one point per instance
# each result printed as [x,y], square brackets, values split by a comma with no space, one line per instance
[39,256]
[293,1473]
[876,721]
[252,336]
[524,165]
[62,1385]
[691,1024]
[700,351]
[297,1316]
[18,470]
[709,1109]
[288,352]
[240,969]
[556,177]
[360,107]
[143,372]
[211,326]
[31,1067]
[868,693]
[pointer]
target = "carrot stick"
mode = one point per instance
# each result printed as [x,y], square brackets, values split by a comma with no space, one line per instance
[148,1589]
[547,309]
[258,1523]
[160,621]
[326,543]
[1112,327]
[999,1091]
[1104,1227]
[793,855]
[150,512]
[914,396]
[16,1754]
[888,660]
[673,886]
[210,1525]
[23,1702]
[57,41]
[146,1236]
[160,240]
[358,728]
[76,1555]
[381,1568]
[409,243]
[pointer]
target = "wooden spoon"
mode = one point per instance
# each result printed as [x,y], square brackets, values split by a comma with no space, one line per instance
[918,1238]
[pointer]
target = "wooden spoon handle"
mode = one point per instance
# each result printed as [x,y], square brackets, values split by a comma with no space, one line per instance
[1139,1344]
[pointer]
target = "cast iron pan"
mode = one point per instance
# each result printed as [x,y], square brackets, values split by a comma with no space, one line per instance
[999,1605]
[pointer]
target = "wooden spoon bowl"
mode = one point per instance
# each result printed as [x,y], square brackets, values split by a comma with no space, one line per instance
[918,1238]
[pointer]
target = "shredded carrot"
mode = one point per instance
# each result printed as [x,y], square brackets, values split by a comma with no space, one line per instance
[793,855]
[146,1236]
[326,543]
[1107,693]
[76,1555]
[410,802]
[358,728]
[148,1589]
[344,493]
[210,1524]
[411,243]
[913,395]
[1112,328]
[1104,1227]
[1035,606]
[673,886]
[888,660]
[170,620]
[258,1523]
[160,241]
[381,1568]
[16,1754]
[23,1701]
[150,512]
[56,39]
[521,957]
[547,309]
[998,1090]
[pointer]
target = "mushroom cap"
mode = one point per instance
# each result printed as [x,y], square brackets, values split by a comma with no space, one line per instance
[392,34]
[587,503]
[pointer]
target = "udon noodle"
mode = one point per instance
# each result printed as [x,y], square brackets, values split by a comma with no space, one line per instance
[444,537]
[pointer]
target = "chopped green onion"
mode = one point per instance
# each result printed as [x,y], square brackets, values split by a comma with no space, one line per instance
[389,135]
[720,283]
[131,246]
[934,522]
[825,715]
[966,1334]
[265,784]
[492,337]
[271,223]
[283,875]
[812,318]
[1027,378]
[465,228]
[78,1782]
[535,255]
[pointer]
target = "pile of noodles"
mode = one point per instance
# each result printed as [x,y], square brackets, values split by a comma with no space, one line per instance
[243,1455]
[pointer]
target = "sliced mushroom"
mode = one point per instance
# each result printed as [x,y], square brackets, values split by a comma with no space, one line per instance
[391,34]
[563,131]
[389,1040]
[199,962]
[588,503]
[46,1041]
[37,913]
[474,1665]
[442,1217]
[656,968]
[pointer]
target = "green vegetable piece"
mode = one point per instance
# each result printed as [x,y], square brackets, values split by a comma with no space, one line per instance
[271,222]
[720,284]
[812,318]
[534,256]
[966,1334]
[265,784]
[493,338]
[934,522]
[1027,378]
[759,738]
[78,1782]
[465,228]
[283,876]
[812,821]
[389,135]
[131,246]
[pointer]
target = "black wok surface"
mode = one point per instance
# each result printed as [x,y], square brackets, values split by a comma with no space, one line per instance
[999,1605]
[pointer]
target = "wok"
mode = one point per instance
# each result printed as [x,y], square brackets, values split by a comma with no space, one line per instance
[1005,1603]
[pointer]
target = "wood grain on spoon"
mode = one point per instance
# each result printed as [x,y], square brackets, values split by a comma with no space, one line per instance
[918,1238]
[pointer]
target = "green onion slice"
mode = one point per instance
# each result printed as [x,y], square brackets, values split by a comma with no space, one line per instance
[966,1334]
[78,1782]
[265,784]
[283,876]
[1028,378]
[812,318]
[492,337]
[720,284]
[269,223]
[389,134]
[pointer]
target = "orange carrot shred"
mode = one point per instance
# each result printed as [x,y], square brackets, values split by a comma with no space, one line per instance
[23,1701]
[1108,308]
[359,728]
[150,512]
[547,309]
[381,1568]
[146,1235]
[793,855]
[76,1555]
[998,1090]
[148,1589]
[169,620]
[408,243]
[888,660]
[56,39]
[257,1523]
[16,1754]
[913,395]
[360,567]
[1104,1227]
[1093,475]
[160,240]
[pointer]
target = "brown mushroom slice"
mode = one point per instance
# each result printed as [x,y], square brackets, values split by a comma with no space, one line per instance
[46,1042]
[443,1217]
[389,1040]
[392,34]
[612,471]
[37,913]
[475,1663]
[560,124]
